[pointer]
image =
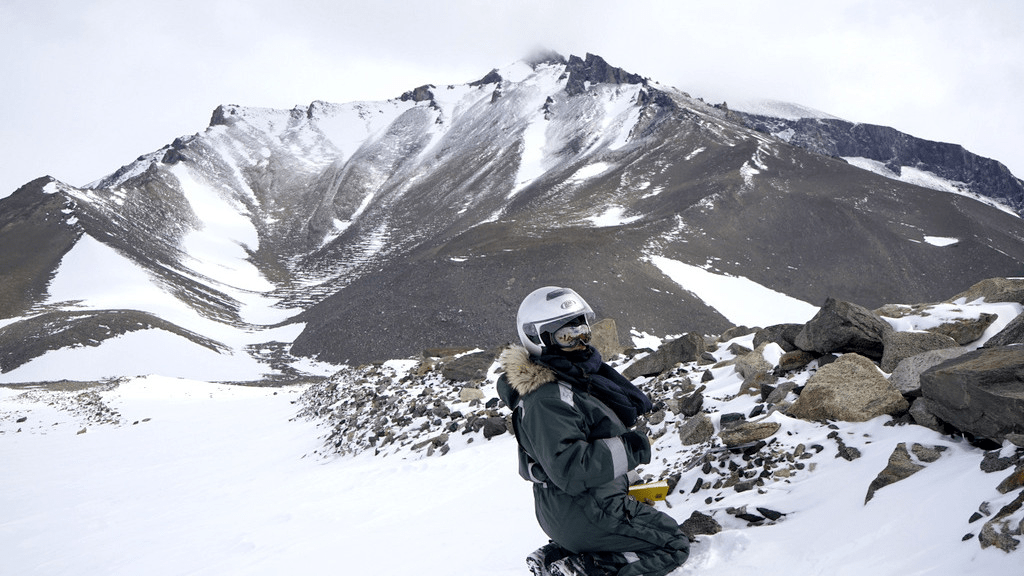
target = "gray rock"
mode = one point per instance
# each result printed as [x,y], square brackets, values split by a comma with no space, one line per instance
[907,375]
[900,467]
[699,523]
[746,432]
[999,531]
[795,360]
[468,394]
[901,345]
[850,389]
[468,368]
[494,426]
[1012,333]
[966,330]
[844,327]
[736,332]
[981,392]
[927,454]
[780,392]
[923,416]
[606,338]
[686,348]
[691,404]
[696,430]
[782,334]
[753,363]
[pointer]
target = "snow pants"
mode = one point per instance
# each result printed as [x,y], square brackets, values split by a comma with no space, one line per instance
[614,527]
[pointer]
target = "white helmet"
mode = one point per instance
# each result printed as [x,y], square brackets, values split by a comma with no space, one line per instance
[546,310]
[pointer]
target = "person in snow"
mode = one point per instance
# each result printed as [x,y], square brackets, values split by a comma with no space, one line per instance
[572,416]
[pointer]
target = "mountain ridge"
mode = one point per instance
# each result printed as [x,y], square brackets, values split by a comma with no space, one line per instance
[381,228]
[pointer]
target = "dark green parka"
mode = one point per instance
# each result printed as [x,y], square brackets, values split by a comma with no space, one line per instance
[577,453]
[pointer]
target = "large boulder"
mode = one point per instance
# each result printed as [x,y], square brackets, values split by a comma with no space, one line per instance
[844,327]
[902,345]
[686,348]
[981,392]
[851,389]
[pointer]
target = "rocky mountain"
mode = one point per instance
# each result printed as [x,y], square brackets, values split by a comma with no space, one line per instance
[370,230]
[894,154]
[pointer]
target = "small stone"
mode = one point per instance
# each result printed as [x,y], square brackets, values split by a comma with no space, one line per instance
[699,523]
[1012,482]
[468,394]
[770,514]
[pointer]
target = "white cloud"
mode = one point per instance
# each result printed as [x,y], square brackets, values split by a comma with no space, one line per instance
[90,86]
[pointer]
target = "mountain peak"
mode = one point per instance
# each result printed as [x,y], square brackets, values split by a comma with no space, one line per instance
[595,70]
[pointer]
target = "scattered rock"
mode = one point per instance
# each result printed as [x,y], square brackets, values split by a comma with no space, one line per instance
[753,363]
[696,430]
[780,392]
[494,426]
[746,432]
[468,394]
[691,404]
[1012,482]
[900,467]
[699,523]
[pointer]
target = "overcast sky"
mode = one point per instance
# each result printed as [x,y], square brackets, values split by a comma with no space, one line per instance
[89,85]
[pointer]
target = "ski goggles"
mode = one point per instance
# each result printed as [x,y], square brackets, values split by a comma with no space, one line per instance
[571,336]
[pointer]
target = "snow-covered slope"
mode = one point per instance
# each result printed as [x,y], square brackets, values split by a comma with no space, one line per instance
[158,475]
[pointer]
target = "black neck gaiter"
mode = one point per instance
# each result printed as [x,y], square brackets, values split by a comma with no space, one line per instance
[585,370]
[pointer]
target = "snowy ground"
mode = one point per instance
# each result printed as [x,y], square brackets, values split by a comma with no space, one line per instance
[201,478]
[181,476]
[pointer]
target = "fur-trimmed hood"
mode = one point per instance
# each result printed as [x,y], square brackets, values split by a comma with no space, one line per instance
[524,375]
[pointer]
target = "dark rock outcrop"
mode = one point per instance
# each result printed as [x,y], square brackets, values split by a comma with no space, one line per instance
[686,348]
[981,393]
[840,138]
[844,327]
[596,71]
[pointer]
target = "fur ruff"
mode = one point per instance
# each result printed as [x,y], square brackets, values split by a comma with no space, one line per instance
[524,376]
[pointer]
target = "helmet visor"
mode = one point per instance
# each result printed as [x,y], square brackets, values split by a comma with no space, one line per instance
[572,336]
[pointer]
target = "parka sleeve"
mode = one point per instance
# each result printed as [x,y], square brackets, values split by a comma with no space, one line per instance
[557,438]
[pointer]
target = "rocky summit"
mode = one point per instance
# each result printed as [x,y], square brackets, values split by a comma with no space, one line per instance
[356,232]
